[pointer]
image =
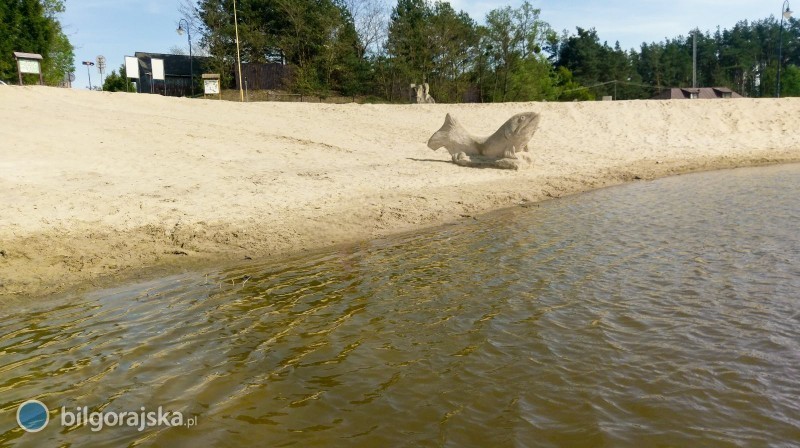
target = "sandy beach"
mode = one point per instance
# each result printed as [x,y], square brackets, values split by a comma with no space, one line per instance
[100,187]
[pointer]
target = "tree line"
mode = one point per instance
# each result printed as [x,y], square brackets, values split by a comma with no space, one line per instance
[32,26]
[369,48]
[363,47]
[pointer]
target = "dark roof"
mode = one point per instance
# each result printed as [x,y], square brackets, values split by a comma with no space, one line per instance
[703,93]
[174,64]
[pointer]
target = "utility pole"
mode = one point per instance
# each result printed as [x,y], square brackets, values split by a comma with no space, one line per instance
[694,59]
[238,54]
[786,13]
[101,67]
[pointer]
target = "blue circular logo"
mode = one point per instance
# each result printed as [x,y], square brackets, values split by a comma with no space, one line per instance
[32,416]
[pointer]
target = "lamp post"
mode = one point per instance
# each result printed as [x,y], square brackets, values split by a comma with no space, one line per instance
[89,72]
[786,13]
[191,60]
[238,55]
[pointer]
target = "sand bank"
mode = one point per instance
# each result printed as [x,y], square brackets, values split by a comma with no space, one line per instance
[98,186]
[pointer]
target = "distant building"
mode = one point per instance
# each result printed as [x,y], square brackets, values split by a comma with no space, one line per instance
[177,74]
[702,93]
[255,76]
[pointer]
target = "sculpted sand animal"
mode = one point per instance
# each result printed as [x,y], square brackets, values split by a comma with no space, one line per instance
[470,150]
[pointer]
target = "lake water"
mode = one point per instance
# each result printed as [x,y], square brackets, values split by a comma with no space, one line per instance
[662,313]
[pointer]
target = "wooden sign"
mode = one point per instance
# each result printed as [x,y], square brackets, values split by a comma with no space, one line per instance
[29,63]
[211,84]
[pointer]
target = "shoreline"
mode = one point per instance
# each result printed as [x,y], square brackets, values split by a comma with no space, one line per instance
[221,182]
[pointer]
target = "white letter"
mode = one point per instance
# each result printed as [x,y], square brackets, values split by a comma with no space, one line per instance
[177,419]
[64,414]
[107,418]
[162,418]
[96,421]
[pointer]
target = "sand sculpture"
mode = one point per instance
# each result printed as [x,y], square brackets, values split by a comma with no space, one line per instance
[420,94]
[507,148]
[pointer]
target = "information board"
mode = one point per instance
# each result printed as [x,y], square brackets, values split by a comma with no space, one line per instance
[158,69]
[132,67]
[211,86]
[29,66]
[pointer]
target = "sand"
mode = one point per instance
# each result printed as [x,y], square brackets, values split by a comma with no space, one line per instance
[101,187]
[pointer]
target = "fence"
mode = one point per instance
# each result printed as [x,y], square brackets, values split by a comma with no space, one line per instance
[263,76]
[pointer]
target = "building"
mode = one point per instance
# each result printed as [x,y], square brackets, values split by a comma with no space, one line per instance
[703,93]
[255,76]
[177,73]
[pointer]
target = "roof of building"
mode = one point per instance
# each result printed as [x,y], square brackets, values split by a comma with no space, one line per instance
[21,55]
[174,64]
[703,93]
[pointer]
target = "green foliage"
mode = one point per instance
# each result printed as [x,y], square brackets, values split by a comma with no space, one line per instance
[597,65]
[407,42]
[315,36]
[511,44]
[742,58]
[118,82]
[569,90]
[790,81]
[513,56]
[31,26]
[452,43]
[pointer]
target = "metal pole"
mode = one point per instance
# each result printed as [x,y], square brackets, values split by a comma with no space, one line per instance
[238,54]
[694,60]
[780,59]
[191,59]
[785,14]
[89,72]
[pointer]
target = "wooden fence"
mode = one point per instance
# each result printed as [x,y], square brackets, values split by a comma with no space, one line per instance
[257,76]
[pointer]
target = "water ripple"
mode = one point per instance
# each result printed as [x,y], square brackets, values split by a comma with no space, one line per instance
[654,314]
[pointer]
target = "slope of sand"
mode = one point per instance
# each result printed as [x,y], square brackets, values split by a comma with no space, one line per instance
[97,186]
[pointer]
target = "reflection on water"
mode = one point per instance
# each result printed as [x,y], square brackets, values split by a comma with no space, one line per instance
[654,314]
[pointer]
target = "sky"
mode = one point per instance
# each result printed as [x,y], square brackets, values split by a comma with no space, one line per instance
[118,28]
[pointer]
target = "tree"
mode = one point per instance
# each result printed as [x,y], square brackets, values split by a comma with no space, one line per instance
[790,81]
[32,26]
[452,41]
[407,42]
[370,21]
[317,37]
[513,40]
[118,83]
[569,90]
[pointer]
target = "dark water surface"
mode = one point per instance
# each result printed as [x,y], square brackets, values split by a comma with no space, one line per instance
[661,313]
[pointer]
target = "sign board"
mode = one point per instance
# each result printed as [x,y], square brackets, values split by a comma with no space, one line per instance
[158,69]
[101,64]
[29,66]
[131,67]
[29,63]
[211,86]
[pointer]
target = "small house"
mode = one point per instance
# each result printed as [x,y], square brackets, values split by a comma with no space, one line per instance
[702,93]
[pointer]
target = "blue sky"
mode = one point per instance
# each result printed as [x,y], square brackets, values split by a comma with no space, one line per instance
[116,28]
